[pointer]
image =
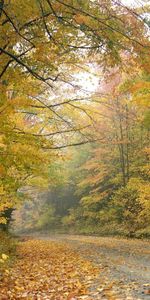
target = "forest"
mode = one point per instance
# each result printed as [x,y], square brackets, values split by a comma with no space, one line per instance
[74,122]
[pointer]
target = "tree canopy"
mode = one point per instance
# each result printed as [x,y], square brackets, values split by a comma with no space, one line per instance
[43,45]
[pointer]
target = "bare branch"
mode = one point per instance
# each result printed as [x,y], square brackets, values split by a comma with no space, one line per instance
[44,22]
[10,61]
[51,133]
[33,73]
[72,145]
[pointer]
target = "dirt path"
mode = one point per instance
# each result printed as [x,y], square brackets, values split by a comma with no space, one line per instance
[124,264]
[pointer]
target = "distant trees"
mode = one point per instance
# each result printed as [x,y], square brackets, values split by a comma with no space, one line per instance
[105,187]
[114,188]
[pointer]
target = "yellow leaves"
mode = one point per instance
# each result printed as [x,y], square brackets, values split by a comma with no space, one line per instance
[24,10]
[147,151]
[3,258]
[89,200]
[20,101]
[38,181]
[144,196]
[93,197]
[17,118]
[5,203]
[2,138]
[3,220]
[140,86]
[2,192]
[2,171]
[31,151]
[141,93]
[3,146]
[47,269]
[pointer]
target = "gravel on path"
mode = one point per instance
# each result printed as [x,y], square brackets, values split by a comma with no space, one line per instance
[124,264]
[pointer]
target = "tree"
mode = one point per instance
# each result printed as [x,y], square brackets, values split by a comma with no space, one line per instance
[114,181]
[39,46]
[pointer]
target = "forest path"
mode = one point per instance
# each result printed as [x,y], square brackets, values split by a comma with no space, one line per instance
[124,264]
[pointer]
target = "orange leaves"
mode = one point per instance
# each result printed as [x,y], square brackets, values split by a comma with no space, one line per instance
[2,171]
[46,270]
[81,19]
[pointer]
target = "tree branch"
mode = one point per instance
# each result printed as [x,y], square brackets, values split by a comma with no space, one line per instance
[16,29]
[72,145]
[52,133]
[33,73]
[10,61]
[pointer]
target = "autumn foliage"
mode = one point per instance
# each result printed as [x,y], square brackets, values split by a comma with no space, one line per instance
[47,270]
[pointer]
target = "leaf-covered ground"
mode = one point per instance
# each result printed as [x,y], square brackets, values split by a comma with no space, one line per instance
[47,270]
[124,265]
[77,267]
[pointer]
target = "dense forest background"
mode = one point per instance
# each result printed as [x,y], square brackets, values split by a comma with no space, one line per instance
[74,117]
[101,188]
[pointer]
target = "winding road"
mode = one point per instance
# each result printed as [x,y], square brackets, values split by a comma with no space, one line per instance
[124,265]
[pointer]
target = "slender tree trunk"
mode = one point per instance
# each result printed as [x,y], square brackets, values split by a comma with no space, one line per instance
[119,140]
[122,154]
[127,143]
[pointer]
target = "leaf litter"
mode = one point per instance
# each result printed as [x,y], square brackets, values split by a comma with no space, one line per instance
[47,270]
[54,270]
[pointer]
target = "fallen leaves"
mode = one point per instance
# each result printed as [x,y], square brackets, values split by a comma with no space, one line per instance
[123,266]
[47,270]
[147,292]
[58,270]
[146,287]
[3,258]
